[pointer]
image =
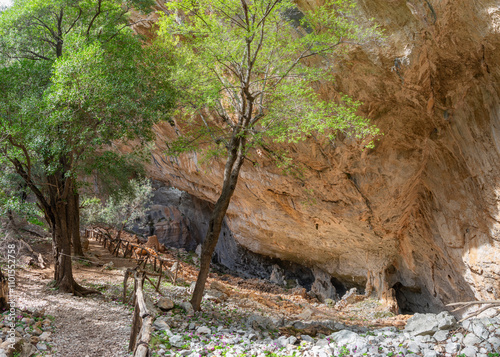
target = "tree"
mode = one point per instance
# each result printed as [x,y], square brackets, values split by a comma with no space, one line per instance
[74,79]
[252,66]
[123,209]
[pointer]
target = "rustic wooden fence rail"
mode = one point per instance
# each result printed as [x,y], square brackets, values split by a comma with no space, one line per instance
[140,334]
[143,255]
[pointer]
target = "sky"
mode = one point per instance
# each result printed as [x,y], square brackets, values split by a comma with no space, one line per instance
[5,2]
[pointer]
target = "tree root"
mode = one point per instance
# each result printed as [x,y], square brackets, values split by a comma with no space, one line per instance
[77,289]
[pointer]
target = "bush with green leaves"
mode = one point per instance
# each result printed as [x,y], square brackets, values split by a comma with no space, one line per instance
[123,209]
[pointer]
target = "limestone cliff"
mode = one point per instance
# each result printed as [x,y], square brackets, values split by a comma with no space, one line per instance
[421,211]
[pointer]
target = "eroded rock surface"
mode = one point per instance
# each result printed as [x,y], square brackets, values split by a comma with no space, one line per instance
[418,213]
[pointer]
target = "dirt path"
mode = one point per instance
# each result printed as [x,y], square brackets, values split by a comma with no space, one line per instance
[89,326]
[98,326]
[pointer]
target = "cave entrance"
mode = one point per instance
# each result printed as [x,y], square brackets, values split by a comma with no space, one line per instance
[339,287]
[412,299]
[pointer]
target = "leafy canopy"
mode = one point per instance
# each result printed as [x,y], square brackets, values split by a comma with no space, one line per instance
[261,60]
[74,79]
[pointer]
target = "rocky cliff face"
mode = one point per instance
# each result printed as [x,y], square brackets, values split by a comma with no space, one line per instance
[420,212]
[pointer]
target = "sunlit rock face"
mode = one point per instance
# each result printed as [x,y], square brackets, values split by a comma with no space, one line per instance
[420,212]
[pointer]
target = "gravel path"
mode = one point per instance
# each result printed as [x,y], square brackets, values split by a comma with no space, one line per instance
[86,326]
[89,327]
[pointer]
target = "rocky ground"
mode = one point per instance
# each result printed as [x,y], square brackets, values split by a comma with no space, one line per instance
[239,318]
[227,329]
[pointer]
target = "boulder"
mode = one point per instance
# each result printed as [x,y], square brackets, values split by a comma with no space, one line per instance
[428,324]
[177,341]
[258,322]
[344,337]
[165,304]
[322,287]
[188,308]
[203,330]
[161,325]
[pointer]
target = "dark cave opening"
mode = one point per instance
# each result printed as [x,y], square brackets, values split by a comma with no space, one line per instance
[339,287]
[412,299]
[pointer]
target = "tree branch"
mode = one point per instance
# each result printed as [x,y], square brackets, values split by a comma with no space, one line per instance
[98,12]
[74,22]
[25,152]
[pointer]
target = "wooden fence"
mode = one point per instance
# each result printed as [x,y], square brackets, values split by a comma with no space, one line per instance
[143,255]
[140,334]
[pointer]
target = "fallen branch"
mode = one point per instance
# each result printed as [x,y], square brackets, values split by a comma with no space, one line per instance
[462,305]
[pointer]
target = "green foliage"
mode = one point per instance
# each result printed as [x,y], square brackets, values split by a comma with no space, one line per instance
[344,351]
[260,60]
[75,80]
[123,209]
[13,198]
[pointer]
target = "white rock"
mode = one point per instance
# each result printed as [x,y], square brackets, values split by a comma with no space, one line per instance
[282,341]
[480,330]
[321,343]
[458,337]
[203,330]
[177,341]
[446,321]
[414,347]
[440,335]
[344,337]
[469,351]
[422,324]
[452,347]
[495,342]
[41,346]
[45,335]
[471,339]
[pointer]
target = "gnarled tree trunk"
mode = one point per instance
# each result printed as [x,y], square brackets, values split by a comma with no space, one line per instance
[63,209]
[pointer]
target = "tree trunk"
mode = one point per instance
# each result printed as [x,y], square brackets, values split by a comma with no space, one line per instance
[4,292]
[63,225]
[75,225]
[231,174]
[59,213]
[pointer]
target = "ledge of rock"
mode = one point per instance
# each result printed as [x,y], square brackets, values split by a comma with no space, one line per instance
[419,213]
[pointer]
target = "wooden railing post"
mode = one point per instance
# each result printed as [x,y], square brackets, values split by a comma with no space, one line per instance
[140,336]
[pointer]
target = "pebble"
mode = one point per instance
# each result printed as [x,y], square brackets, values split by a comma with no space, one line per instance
[41,346]
[36,331]
[45,336]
